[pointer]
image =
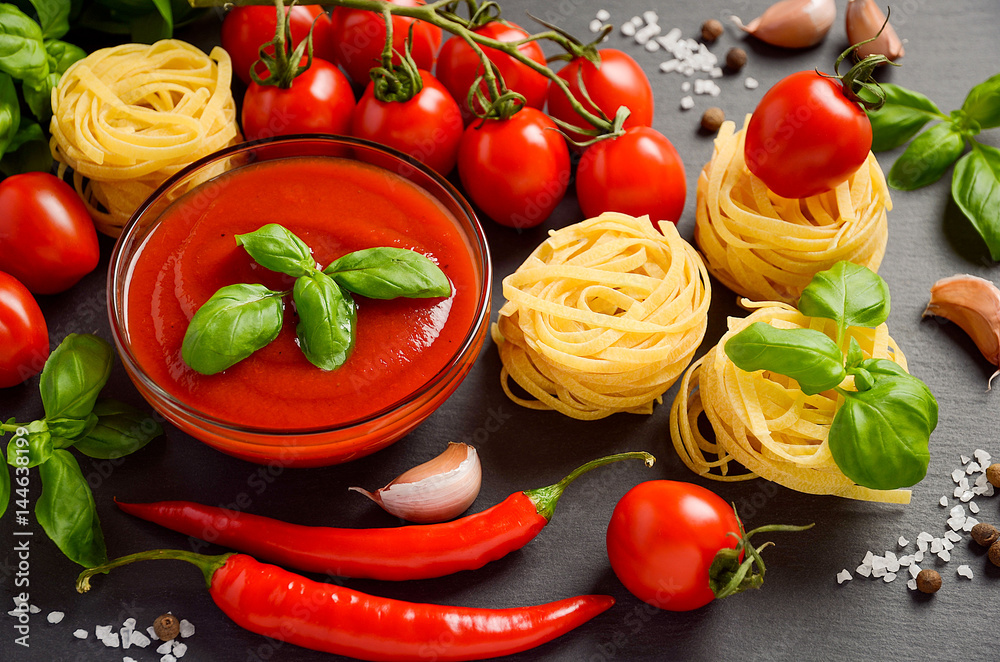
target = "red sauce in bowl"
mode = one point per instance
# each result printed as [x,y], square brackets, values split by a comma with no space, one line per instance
[336,206]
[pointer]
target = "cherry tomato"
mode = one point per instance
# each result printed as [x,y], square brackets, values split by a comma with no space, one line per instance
[805,136]
[515,170]
[428,127]
[662,539]
[246,29]
[458,66]
[47,238]
[320,100]
[619,81]
[24,338]
[638,173]
[359,38]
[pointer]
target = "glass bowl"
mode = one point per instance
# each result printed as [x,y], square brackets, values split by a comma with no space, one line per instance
[195,188]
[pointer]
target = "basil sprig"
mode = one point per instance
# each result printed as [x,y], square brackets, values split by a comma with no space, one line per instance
[975,183]
[880,433]
[242,318]
[75,416]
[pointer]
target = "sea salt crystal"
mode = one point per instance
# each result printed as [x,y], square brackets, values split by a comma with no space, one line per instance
[168,658]
[944,502]
[750,83]
[843,576]
[936,545]
[953,536]
[152,633]
[970,523]
[869,559]
[947,544]
[964,483]
[973,468]
[967,496]
[80,634]
[596,25]
[112,640]
[138,639]
[650,16]
[128,659]
[921,545]
[918,557]
[959,491]
[879,572]
[165,647]
[179,650]
[889,577]
[965,459]
[912,584]
[958,511]
[628,29]
[864,570]
[186,628]
[716,72]
[905,560]
[973,507]
[914,570]
[32,609]
[637,21]
[55,617]
[965,571]
[651,46]
[102,631]
[982,457]
[686,86]
[603,14]
[878,563]
[944,555]
[669,65]
[687,103]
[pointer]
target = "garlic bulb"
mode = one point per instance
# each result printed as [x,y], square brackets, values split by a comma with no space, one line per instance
[972,303]
[864,20]
[793,23]
[435,491]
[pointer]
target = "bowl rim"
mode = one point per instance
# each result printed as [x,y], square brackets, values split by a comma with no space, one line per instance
[119,261]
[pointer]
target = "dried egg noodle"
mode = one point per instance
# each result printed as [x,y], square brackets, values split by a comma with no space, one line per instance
[768,248]
[763,421]
[126,118]
[602,317]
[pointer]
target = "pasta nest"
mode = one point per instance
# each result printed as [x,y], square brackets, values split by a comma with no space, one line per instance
[763,421]
[603,317]
[766,247]
[128,117]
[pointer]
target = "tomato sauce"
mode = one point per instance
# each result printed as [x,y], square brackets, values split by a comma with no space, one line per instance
[336,206]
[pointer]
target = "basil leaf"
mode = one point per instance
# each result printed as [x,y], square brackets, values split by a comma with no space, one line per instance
[387,273]
[975,187]
[71,428]
[879,438]
[36,445]
[233,324]
[847,293]
[121,430]
[10,113]
[27,132]
[67,512]
[983,103]
[927,157]
[153,26]
[327,319]
[38,95]
[73,375]
[53,15]
[902,116]
[854,354]
[22,54]
[807,356]
[62,54]
[278,249]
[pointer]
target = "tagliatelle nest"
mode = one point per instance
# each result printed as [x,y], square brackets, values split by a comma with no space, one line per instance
[603,317]
[766,247]
[763,421]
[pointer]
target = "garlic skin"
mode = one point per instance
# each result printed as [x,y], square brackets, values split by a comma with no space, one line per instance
[435,491]
[793,23]
[972,303]
[864,20]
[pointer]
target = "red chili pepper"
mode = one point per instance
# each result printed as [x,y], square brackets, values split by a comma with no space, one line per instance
[280,604]
[405,552]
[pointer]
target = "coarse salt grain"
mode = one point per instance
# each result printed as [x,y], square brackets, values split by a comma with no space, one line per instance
[919,556]
[168,658]
[55,617]
[970,523]
[750,83]
[964,458]
[958,511]
[902,542]
[982,457]
[944,502]
[924,536]
[967,496]
[947,544]
[912,584]
[889,577]
[152,633]
[864,570]
[179,650]
[603,14]
[111,640]
[102,631]
[139,639]
[81,633]
[914,570]
[869,558]
[165,647]
[973,468]
[944,555]
[128,659]
[974,507]
[628,29]
[936,545]
[843,576]
[953,536]
[596,25]
[687,103]
[186,628]
[965,571]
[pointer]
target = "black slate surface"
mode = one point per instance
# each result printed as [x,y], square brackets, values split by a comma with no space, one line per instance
[801,612]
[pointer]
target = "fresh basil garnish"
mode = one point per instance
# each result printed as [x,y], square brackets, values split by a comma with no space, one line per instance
[10,113]
[975,186]
[53,17]
[847,293]
[387,273]
[278,249]
[120,429]
[233,324]
[983,103]
[809,357]
[67,512]
[74,375]
[902,116]
[38,448]
[927,158]
[327,317]
[22,53]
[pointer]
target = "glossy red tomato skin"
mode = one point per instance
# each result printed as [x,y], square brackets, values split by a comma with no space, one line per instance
[320,100]
[662,539]
[458,66]
[245,29]
[619,81]
[47,238]
[24,337]
[359,37]
[805,136]
[639,173]
[515,170]
[428,127]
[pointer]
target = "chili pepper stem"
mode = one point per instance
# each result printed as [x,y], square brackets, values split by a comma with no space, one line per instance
[207,564]
[545,498]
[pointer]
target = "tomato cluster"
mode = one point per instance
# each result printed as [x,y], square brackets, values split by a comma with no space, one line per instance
[516,170]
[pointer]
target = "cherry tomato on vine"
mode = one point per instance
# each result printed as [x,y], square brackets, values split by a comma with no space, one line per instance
[458,66]
[806,136]
[47,238]
[359,38]
[320,100]
[662,539]
[516,170]
[246,29]
[24,338]
[428,127]
[638,173]
[619,81]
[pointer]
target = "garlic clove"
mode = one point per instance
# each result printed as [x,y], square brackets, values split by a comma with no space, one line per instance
[793,23]
[973,304]
[435,491]
[864,20]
